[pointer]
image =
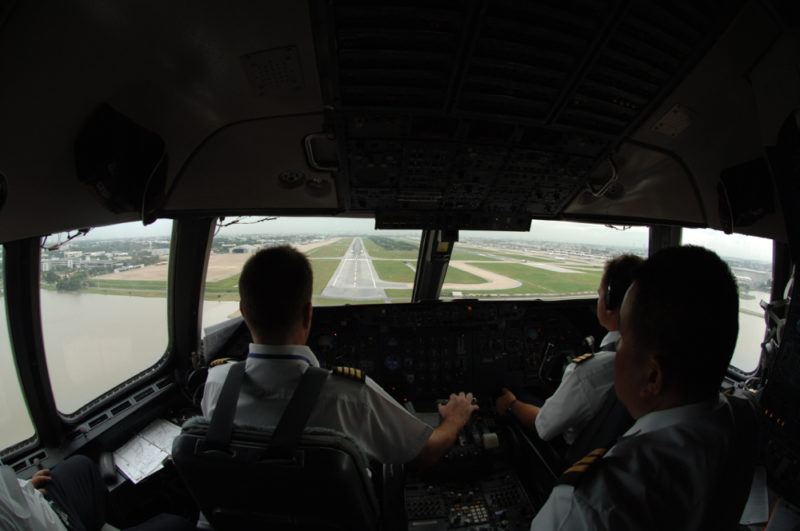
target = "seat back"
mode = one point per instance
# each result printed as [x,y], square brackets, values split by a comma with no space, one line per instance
[735,472]
[325,484]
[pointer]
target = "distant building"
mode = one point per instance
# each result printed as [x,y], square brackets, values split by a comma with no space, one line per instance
[128,268]
[244,249]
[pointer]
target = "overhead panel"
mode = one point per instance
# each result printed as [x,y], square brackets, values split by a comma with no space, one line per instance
[478,113]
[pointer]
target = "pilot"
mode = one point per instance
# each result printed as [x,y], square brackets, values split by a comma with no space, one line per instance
[72,497]
[589,377]
[686,463]
[275,292]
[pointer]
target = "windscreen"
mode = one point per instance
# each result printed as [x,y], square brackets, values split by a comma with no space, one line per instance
[555,260]
[352,262]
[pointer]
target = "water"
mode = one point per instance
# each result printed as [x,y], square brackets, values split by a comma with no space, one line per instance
[95,342]
[15,423]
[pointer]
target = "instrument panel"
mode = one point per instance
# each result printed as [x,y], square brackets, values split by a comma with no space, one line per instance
[420,353]
[424,352]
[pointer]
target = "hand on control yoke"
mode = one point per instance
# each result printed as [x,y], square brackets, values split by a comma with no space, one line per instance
[458,408]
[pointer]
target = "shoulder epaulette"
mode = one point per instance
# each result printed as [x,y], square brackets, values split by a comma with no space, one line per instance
[349,372]
[219,361]
[583,357]
[573,474]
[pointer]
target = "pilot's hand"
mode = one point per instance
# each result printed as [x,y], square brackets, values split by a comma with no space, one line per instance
[458,408]
[40,479]
[502,402]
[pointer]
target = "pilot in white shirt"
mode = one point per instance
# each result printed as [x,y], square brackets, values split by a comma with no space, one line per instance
[586,380]
[687,462]
[359,407]
[275,290]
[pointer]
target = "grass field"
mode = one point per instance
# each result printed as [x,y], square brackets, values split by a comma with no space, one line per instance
[535,280]
[226,285]
[130,293]
[468,254]
[332,250]
[322,301]
[229,296]
[380,247]
[456,276]
[403,294]
[393,271]
[522,257]
[323,271]
[141,285]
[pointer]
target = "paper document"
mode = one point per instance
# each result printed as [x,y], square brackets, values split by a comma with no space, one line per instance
[145,453]
[784,518]
[756,511]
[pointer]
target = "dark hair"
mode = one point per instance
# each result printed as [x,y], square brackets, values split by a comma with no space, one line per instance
[617,278]
[687,313]
[274,287]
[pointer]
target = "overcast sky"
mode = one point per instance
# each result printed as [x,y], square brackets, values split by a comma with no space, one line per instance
[734,245]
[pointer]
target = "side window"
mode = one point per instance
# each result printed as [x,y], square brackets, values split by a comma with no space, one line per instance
[15,420]
[750,259]
[104,308]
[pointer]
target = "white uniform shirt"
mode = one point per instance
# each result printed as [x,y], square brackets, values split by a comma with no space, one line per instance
[22,507]
[579,396]
[660,475]
[383,428]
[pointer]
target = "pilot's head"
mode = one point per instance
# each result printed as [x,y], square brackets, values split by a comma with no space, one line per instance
[617,278]
[275,295]
[679,322]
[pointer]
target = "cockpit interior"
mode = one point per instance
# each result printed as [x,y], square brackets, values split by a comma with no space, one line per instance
[480,160]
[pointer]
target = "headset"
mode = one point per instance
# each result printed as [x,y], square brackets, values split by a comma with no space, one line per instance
[609,299]
[621,277]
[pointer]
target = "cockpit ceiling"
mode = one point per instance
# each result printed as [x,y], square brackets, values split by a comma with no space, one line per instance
[493,112]
[421,113]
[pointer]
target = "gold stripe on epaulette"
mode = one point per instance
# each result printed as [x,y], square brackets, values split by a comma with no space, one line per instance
[573,474]
[576,468]
[350,372]
[583,357]
[219,361]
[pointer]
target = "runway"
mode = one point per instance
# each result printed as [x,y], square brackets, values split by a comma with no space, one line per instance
[356,278]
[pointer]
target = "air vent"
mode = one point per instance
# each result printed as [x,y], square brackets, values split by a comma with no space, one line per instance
[142,394]
[121,407]
[97,420]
